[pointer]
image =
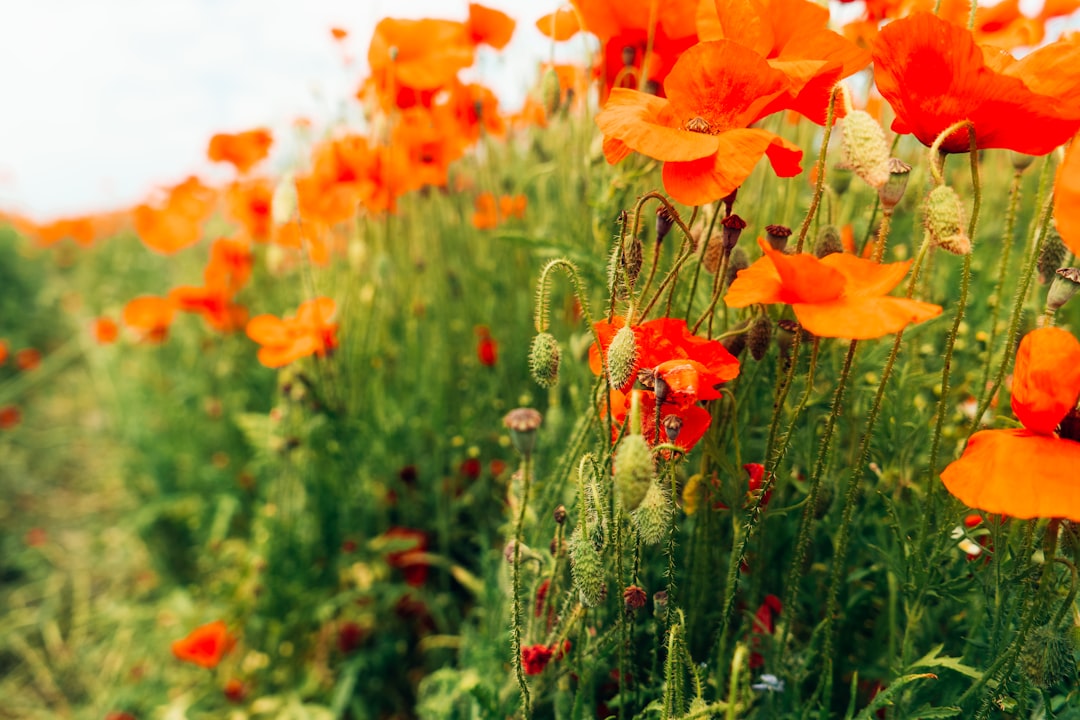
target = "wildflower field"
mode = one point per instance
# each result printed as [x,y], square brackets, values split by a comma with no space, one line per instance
[734,375]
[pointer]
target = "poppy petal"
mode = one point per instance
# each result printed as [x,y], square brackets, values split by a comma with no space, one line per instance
[866,277]
[560,25]
[1067,198]
[645,123]
[1046,378]
[704,180]
[863,318]
[759,283]
[1017,473]
[806,279]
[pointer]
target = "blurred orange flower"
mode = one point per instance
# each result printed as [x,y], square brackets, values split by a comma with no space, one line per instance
[177,222]
[28,359]
[1030,472]
[205,645]
[417,54]
[489,26]
[3,351]
[339,33]
[105,330]
[309,332]
[1067,198]
[560,25]
[151,316]
[243,150]
[839,296]
[10,417]
[714,92]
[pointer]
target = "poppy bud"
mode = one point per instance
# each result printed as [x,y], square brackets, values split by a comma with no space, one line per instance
[714,254]
[738,261]
[544,360]
[634,598]
[893,189]
[828,242]
[1064,286]
[550,92]
[622,357]
[1051,257]
[664,221]
[559,513]
[733,227]
[587,569]
[633,471]
[736,343]
[629,54]
[777,236]
[945,219]
[729,201]
[672,427]
[653,517]
[864,148]
[632,260]
[1047,656]
[759,337]
[523,424]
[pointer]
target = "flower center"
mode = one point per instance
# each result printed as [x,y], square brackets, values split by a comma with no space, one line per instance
[1069,429]
[699,124]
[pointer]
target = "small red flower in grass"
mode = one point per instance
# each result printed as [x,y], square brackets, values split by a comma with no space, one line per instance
[105,330]
[1030,472]
[408,560]
[235,690]
[535,658]
[10,417]
[28,359]
[487,350]
[205,645]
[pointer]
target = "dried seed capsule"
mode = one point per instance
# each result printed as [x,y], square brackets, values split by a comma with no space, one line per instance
[1065,285]
[733,226]
[777,236]
[893,190]
[759,337]
[714,254]
[828,241]
[523,424]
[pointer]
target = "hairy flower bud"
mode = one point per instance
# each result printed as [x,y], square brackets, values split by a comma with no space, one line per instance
[664,222]
[622,357]
[738,260]
[840,179]
[828,241]
[653,517]
[736,343]
[1047,656]
[633,471]
[759,337]
[1051,256]
[587,569]
[864,148]
[544,360]
[1065,285]
[714,254]
[945,221]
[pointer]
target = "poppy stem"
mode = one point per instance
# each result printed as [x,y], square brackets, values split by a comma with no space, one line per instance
[819,184]
[937,157]
[519,671]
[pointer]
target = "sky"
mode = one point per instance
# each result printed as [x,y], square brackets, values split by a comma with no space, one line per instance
[101,101]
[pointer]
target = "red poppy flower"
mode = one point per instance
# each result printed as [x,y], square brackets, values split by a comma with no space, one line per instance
[487,350]
[1030,472]
[309,332]
[1067,198]
[793,35]
[700,132]
[205,645]
[28,359]
[934,75]
[410,560]
[10,417]
[150,316]
[489,26]
[839,295]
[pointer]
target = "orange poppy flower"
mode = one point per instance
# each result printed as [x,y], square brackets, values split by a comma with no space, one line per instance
[1030,472]
[214,304]
[715,91]
[205,645]
[3,351]
[417,54]
[10,417]
[793,35]
[150,316]
[839,296]
[230,265]
[243,150]
[512,206]
[933,74]
[339,33]
[1067,198]
[250,204]
[560,25]
[175,223]
[489,26]
[486,216]
[309,332]
[105,330]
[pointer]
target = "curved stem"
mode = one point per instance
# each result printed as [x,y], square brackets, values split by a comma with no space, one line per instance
[819,186]
[526,699]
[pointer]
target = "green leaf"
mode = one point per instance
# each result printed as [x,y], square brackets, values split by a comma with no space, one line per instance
[931,659]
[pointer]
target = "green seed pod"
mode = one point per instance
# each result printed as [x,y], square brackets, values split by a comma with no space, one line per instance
[544,360]
[893,190]
[633,471]
[1047,656]
[839,179]
[777,236]
[759,337]
[653,518]
[1051,257]
[1020,161]
[622,357]
[945,221]
[828,241]
[736,343]
[550,92]
[1065,285]
[587,569]
[864,148]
